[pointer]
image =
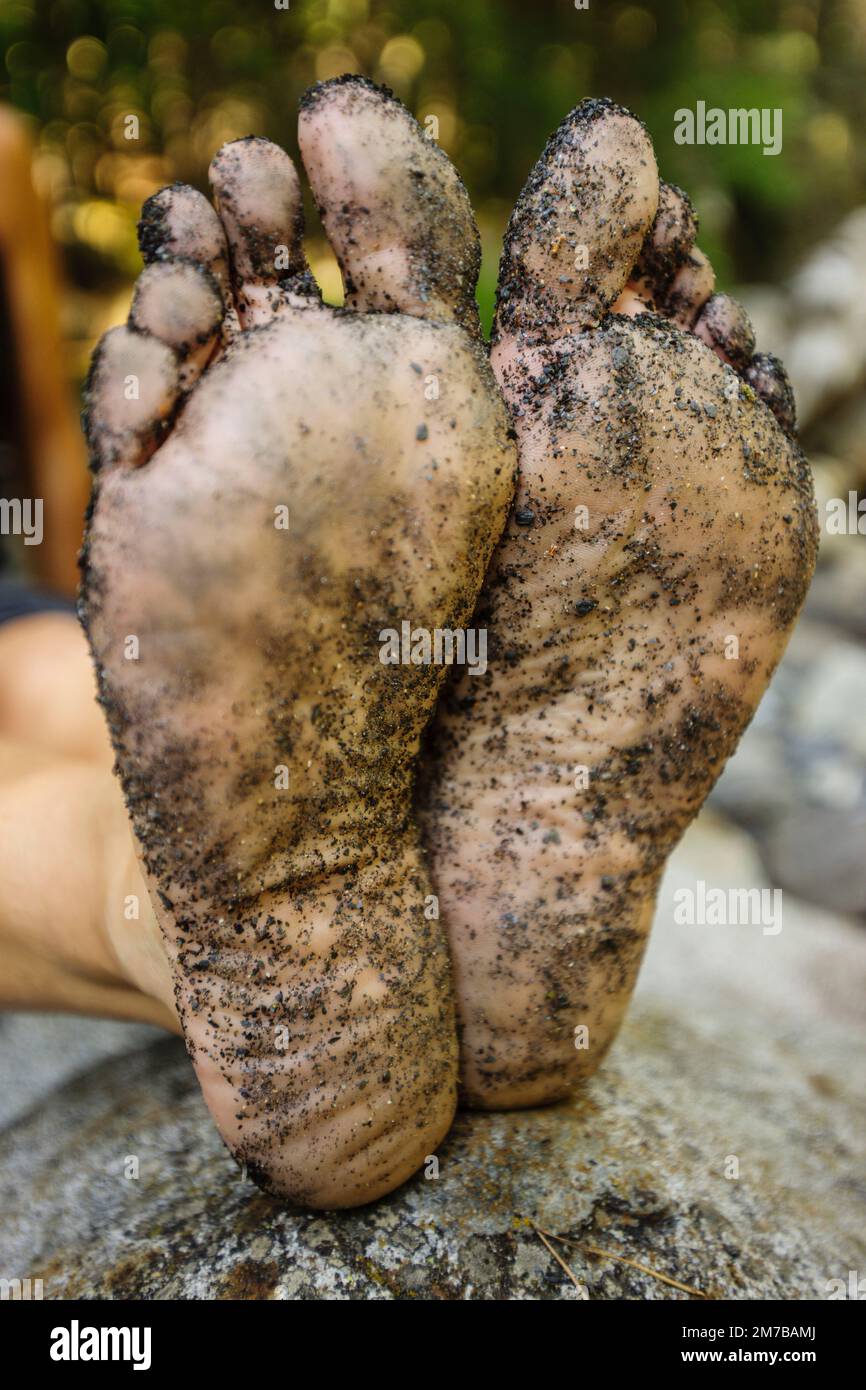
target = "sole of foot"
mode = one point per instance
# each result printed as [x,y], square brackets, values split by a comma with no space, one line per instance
[658,551]
[274,487]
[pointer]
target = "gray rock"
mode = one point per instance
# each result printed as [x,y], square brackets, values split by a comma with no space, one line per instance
[819,853]
[758,782]
[832,700]
[51,1049]
[838,592]
[740,1046]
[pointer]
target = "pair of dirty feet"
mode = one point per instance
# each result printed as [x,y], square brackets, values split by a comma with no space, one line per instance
[357,908]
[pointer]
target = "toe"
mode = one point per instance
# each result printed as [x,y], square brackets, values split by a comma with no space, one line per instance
[691,287]
[131,391]
[579,225]
[258,195]
[140,372]
[768,378]
[724,325]
[668,245]
[180,303]
[393,205]
[179,223]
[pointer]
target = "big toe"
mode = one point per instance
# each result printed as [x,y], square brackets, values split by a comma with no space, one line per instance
[579,225]
[394,207]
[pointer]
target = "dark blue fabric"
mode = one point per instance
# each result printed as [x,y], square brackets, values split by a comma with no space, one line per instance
[18,599]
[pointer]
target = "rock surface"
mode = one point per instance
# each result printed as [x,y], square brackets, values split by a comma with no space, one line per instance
[743,1051]
[798,779]
[819,853]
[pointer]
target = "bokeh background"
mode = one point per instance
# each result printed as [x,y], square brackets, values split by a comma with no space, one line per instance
[498,74]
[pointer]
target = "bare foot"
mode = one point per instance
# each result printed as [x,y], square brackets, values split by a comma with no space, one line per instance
[653,566]
[257,521]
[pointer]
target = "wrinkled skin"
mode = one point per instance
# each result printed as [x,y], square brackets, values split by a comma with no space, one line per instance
[662,511]
[267,755]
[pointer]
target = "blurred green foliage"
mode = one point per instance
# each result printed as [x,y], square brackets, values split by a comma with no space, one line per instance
[497,74]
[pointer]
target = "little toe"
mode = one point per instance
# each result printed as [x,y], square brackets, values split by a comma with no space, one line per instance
[724,325]
[769,380]
[393,205]
[140,372]
[131,391]
[579,225]
[259,199]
